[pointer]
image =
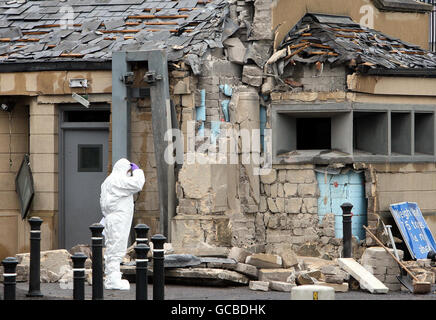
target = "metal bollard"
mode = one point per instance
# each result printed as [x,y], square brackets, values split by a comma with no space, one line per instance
[9,277]
[97,261]
[35,257]
[79,275]
[141,271]
[158,267]
[141,231]
[346,224]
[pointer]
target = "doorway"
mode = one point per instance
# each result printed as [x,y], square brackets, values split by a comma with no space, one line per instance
[83,163]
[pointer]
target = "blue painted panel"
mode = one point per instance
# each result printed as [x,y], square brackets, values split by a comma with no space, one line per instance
[337,189]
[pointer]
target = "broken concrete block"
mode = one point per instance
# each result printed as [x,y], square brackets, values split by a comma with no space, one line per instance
[424,275]
[22,273]
[203,250]
[424,263]
[292,278]
[81,248]
[235,50]
[275,274]
[207,275]
[281,286]
[337,279]
[239,254]
[66,281]
[88,275]
[181,261]
[47,276]
[258,285]
[252,75]
[304,279]
[307,277]
[247,269]
[88,263]
[53,260]
[220,263]
[343,287]
[334,274]
[289,258]
[314,263]
[264,260]
[366,279]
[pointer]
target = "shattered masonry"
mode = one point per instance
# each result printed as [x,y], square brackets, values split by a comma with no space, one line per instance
[223,69]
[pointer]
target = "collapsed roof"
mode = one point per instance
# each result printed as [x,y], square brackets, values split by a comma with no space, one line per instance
[57,30]
[319,38]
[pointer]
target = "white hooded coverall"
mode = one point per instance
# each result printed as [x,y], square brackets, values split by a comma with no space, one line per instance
[116,202]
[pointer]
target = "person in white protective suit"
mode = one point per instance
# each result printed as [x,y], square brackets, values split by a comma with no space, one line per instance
[116,202]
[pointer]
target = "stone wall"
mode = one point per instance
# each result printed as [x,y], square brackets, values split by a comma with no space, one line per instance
[289,206]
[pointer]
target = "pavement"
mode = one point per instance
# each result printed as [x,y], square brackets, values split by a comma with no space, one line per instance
[53,291]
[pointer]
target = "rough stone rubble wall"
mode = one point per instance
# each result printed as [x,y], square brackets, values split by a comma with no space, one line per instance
[226,205]
[289,204]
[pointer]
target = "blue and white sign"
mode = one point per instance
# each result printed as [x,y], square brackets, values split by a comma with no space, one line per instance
[413,228]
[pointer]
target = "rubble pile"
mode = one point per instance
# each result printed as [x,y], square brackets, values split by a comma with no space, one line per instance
[378,262]
[260,271]
[424,269]
[56,266]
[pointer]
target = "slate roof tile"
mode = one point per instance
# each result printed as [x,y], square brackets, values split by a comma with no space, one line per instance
[37,32]
[339,40]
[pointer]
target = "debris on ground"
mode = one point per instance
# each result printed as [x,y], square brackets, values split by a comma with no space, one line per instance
[81,248]
[366,279]
[278,270]
[54,265]
[259,285]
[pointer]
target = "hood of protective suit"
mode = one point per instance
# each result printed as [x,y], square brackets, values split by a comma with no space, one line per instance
[121,166]
[119,187]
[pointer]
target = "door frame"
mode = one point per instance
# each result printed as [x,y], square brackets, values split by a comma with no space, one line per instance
[105,126]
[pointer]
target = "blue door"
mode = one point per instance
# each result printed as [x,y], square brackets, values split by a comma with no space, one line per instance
[335,189]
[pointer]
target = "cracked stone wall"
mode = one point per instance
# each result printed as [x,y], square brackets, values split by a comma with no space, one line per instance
[227,204]
[289,205]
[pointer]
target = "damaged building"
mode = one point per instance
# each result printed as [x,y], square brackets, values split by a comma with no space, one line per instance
[345,112]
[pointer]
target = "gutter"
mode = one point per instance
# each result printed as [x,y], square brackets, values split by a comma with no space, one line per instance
[402,6]
[66,65]
[418,73]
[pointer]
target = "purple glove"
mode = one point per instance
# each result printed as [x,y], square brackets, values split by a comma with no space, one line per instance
[133,166]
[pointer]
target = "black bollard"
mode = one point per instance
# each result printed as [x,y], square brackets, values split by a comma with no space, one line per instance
[141,231]
[79,275]
[35,257]
[158,267]
[9,277]
[97,261]
[141,271]
[346,224]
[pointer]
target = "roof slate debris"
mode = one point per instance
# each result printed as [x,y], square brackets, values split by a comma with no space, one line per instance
[91,30]
[339,40]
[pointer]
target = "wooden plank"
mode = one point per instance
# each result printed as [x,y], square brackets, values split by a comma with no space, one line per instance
[365,278]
